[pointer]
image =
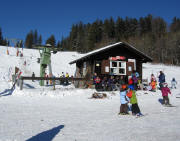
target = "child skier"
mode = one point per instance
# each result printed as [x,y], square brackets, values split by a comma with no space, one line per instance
[153,83]
[135,108]
[173,83]
[165,91]
[124,100]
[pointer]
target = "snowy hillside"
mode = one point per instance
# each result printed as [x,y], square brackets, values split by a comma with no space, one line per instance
[68,114]
[60,63]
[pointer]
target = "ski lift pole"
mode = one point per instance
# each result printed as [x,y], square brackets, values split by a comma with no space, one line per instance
[45,60]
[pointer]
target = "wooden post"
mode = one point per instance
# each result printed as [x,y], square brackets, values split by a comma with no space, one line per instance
[139,68]
[21,83]
[54,84]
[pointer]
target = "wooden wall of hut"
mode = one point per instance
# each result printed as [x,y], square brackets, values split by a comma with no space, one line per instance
[78,74]
[139,68]
[84,70]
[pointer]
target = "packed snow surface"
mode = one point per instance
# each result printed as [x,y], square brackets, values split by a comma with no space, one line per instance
[69,114]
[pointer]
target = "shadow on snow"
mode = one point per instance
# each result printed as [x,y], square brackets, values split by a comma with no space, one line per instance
[47,135]
[29,86]
[160,100]
[7,92]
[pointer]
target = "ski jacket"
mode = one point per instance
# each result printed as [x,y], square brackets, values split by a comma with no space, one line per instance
[133,99]
[67,75]
[153,85]
[162,78]
[110,82]
[123,98]
[135,80]
[165,91]
[130,81]
[173,82]
[94,78]
[97,80]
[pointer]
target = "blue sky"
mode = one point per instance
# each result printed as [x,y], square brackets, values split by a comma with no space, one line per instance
[18,17]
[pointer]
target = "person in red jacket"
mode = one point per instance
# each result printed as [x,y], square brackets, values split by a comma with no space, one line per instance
[97,83]
[165,91]
[130,83]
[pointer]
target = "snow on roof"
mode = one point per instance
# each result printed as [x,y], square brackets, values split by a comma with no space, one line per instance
[103,48]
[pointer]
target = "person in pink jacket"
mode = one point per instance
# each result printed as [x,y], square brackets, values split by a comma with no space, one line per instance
[165,91]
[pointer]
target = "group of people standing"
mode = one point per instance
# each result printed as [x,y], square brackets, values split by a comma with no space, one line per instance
[128,95]
[128,88]
[64,81]
[108,83]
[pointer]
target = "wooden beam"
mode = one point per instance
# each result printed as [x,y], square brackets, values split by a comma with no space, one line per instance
[52,78]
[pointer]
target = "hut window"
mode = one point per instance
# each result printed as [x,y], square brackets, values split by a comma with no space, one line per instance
[118,67]
[114,64]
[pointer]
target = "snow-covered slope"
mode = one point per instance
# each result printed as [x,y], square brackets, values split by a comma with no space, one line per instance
[60,63]
[68,114]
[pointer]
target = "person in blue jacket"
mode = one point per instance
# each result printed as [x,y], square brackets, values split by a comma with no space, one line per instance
[161,79]
[124,100]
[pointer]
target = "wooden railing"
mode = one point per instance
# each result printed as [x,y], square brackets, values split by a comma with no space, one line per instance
[72,79]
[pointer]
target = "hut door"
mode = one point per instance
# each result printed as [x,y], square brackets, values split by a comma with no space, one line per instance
[98,67]
[129,68]
[105,68]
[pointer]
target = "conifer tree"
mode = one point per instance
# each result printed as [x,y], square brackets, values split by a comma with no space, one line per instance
[120,29]
[35,37]
[2,41]
[175,25]
[29,40]
[51,40]
[1,37]
[159,27]
[149,34]
[39,40]
[109,28]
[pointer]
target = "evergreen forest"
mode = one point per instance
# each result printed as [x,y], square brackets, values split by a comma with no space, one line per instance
[151,35]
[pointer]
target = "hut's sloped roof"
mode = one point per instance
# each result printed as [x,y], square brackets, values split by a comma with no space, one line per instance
[147,58]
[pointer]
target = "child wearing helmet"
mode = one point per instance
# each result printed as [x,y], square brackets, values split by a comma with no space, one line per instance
[124,100]
[165,91]
[173,83]
[133,100]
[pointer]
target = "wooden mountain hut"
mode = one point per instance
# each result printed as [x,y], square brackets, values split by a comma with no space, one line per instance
[112,60]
